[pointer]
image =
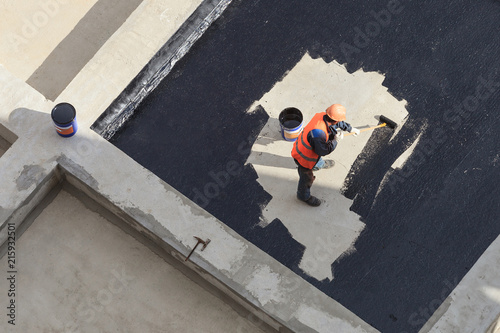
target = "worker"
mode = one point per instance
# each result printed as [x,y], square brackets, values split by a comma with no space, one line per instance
[319,138]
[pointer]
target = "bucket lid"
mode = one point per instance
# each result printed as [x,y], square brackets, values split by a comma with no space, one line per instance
[63,113]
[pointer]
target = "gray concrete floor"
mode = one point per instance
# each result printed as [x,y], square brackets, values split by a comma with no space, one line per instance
[78,272]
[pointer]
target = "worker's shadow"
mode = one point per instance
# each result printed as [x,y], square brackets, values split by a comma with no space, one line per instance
[270,135]
[268,159]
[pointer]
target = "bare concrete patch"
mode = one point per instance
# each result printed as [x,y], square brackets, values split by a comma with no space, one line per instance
[263,284]
[329,231]
[401,160]
[30,175]
[316,319]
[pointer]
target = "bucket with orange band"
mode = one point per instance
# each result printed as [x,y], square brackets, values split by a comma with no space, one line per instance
[291,122]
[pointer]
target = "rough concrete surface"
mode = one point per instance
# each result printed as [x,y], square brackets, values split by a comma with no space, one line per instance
[77,272]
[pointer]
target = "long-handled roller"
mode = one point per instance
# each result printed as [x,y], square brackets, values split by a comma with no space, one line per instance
[384,122]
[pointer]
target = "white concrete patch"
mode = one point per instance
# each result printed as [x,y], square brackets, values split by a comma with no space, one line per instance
[322,322]
[263,284]
[312,85]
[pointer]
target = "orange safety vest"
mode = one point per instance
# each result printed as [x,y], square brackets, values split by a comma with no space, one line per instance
[302,151]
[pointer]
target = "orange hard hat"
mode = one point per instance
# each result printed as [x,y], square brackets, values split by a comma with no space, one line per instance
[336,112]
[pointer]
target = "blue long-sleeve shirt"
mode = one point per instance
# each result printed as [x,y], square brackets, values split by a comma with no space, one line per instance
[317,139]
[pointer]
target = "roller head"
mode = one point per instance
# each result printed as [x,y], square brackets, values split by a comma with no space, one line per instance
[389,123]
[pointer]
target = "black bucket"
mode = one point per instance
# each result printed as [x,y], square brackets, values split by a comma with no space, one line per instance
[291,122]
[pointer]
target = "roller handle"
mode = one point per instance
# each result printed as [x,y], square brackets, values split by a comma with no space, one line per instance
[367,129]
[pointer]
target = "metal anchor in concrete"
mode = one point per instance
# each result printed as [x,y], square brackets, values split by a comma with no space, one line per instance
[200,241]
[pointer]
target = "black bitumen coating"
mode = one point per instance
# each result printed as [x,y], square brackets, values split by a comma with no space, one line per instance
[430,222]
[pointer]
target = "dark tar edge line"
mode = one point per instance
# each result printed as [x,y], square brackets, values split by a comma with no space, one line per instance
[123,107]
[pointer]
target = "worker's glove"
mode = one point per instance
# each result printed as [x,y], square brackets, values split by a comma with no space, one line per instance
[339,136]
[355,131]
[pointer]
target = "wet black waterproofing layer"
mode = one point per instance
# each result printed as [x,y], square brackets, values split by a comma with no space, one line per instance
[432,219]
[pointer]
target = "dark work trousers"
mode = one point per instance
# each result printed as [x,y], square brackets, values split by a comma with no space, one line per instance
[306,179]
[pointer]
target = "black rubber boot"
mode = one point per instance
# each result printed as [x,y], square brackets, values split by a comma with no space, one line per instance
[313,201]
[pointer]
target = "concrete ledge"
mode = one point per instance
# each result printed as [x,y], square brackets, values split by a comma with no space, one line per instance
[172,255]
[26,213]
[7,135]
[170,250]
[238,289]
[232,288]
[66,176]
